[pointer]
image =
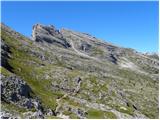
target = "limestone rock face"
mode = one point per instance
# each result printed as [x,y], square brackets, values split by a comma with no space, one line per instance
[69,74]
[5,54]
[48,34]
[16,91]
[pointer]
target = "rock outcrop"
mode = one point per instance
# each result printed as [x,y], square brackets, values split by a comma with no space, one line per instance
[16,91]
[48,34]
[68,74]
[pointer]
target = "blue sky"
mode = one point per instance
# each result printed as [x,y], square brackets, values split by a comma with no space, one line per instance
[127,24]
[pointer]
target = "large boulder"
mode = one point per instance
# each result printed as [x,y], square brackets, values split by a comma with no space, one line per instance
[16,91]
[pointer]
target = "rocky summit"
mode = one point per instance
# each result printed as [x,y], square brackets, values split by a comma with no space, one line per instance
[67,74]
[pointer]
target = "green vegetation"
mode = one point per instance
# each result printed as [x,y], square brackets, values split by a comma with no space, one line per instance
[150,69]
[59,62]
[13,108]
[93,79]
[52,117]
[72,115]
[97,51]
[146,67]
[110,115]
[23,66]
[71,102]
[102,82]
[98,114]
[5,72]
[95,114]
[150,112]
[73,74]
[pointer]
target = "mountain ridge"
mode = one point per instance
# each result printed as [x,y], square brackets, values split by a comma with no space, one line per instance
[74,72]
[76,31]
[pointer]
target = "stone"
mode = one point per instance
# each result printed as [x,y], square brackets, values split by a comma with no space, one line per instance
[50,112]
[48,34]
[74,73]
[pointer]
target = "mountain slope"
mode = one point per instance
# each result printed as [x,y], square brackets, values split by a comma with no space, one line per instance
[75,75]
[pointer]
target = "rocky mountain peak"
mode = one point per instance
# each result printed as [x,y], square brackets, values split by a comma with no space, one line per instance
[69,74]
[48,34]
[39,29]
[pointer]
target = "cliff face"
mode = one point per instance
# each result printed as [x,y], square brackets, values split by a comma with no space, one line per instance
[68,74]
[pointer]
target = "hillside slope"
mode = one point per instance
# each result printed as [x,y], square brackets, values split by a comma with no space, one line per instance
[68,74]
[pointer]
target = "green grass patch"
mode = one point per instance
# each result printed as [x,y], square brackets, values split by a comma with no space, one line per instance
[52,117]
[73,74]
[98,114]
[93,79]
[12,107]
[110,115]
[97,51]
[71,115]
[5,72]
